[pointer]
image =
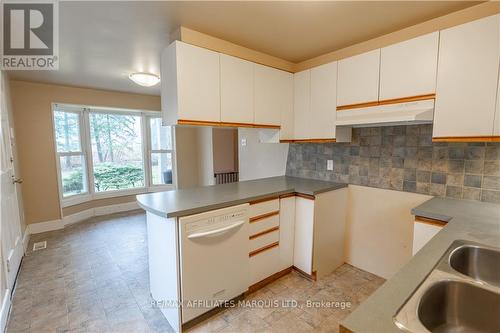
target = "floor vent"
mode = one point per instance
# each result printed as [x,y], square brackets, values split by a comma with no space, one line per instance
[40,246]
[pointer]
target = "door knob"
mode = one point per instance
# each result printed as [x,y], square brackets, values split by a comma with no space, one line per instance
[17,180]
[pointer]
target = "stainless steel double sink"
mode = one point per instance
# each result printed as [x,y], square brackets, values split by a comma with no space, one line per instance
[461,293]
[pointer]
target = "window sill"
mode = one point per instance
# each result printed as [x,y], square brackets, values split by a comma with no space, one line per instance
[82,198]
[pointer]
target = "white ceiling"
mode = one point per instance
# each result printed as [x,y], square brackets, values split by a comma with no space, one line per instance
[102,42]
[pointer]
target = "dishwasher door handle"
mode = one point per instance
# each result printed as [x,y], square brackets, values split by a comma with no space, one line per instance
[216,231]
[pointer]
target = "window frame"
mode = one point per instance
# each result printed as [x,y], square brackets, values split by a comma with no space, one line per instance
[86,151]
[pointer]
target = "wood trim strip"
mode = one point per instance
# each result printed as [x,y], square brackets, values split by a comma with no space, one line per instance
[312,276]
[223,124]
[387,102]
[263,216]
[264,248]
[288,195]
[308,140]
[259,285]
[264,200]
[407,99]
[357,105]
[305,196]
[466,139]
[265,232]
[343,329]
[427,220]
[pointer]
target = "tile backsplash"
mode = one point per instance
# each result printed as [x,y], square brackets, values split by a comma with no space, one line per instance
[403,158]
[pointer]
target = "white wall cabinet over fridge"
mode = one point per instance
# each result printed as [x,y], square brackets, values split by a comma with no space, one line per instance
[190,84]
[408,69]
[467,80]
[358,79]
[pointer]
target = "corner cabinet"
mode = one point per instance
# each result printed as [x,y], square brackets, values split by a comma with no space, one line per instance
[190,84]
[273,98]
[315,98]
[467,81]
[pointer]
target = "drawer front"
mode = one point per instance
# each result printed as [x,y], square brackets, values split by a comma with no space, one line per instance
[264,240]
[264,224]
[264,207]
[264,264]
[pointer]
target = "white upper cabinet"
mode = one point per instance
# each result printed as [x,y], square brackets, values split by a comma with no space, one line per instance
[273,90]
[237,90]
[467,79]
[409,68]
[315,102]
[358,79]
[190,84]
[301,103]
[323,102]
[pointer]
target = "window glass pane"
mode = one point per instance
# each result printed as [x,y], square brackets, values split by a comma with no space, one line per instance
[116,151]
[73,175]
[161,168]
[161,136]
[67,128]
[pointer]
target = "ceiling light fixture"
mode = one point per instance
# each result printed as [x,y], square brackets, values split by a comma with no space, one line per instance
[145,79]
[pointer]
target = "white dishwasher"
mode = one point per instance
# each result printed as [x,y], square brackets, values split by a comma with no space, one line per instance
[214,258]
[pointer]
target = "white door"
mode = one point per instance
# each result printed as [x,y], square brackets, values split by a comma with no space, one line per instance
[358,78]
[236,90]
[273,95]
[409,68]
[467,79]
[301,103]
[10,227]
[322,114]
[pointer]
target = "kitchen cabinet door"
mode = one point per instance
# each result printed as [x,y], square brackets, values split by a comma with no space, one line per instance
[273,91]
[302,104]
[467,79]
[237,93]
[322,113]
[409,68]
[304,235]
[190,84]
[287,232]
[358,78]
[422,234]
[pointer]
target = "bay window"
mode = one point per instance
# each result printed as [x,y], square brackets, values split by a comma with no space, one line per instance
[106,152]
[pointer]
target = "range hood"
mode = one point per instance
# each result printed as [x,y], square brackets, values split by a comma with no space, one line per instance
[407,113]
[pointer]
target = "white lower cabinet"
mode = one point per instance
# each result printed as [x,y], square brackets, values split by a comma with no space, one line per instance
[423,233]
[320,224]
[271,237]
[308,233]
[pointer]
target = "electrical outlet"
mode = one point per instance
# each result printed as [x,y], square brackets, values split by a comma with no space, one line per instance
[243,142]
[329,165]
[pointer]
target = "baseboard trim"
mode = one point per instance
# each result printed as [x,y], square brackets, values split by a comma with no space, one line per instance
[4,314]
[26,239]
[36,228]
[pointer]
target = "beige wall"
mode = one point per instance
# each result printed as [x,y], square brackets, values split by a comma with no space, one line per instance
[379,236]
[32,110]
[186,145]
[225,149]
